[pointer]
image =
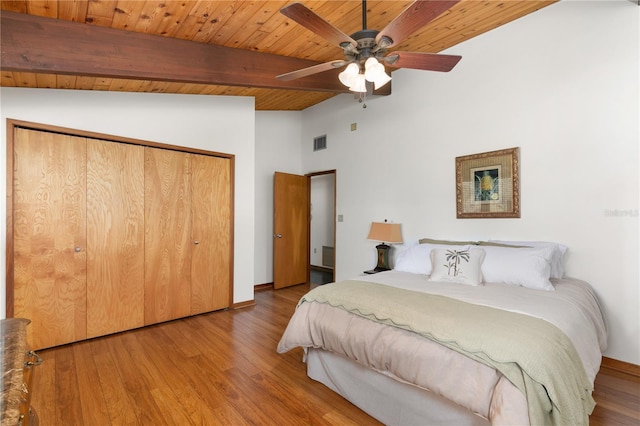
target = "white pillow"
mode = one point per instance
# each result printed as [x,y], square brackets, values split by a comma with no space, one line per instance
[526,267]
[417,258]
[557,261]
[460,265]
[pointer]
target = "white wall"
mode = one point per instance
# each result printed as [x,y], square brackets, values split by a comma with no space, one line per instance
[561,84]
[223,124]
[278,148]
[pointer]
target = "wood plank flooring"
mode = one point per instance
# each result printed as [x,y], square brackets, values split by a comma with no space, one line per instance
[221,369]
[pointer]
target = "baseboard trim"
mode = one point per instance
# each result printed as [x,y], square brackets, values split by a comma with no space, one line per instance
[621,367]
[262,287]
[245,304]
[248,303]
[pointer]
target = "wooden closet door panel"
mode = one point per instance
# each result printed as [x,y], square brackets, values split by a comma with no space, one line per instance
[49,234]
[115,237]
[167,235]
[211,229]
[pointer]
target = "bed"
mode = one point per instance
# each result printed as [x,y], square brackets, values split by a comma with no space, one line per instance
[479,333]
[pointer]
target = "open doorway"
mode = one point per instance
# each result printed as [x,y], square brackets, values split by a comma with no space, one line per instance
[322,227]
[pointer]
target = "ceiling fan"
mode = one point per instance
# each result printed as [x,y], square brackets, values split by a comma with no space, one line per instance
[364,51]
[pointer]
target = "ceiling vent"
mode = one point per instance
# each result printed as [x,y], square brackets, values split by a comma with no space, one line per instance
[320,142]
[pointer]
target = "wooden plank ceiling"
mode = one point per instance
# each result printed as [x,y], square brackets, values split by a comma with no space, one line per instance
[253,26]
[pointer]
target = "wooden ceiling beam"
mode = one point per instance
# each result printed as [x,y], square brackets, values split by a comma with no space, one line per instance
[43,45]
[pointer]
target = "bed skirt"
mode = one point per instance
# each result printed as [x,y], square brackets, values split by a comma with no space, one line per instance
[390,401]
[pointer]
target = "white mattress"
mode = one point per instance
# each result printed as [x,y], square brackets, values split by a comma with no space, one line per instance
[584,325]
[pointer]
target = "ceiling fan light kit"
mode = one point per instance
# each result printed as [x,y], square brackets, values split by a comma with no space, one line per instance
[355,78]
[364,51]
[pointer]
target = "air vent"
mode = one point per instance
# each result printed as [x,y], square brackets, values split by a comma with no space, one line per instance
[320,142]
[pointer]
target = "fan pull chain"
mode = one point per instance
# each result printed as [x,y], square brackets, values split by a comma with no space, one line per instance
[363,99]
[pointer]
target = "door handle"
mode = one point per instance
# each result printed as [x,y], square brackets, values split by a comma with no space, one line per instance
[277,235]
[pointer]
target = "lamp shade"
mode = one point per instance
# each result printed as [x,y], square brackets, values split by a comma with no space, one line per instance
[348,76]
[359,84]
[385,232]
[375,73]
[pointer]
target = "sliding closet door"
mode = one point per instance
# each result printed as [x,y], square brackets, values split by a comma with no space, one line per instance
[167,288]
[115,237]
[49,236]
[211,233]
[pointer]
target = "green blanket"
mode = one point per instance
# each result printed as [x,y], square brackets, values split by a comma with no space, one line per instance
[533,354]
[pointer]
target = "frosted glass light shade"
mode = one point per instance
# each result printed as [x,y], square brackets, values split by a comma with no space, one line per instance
[348,76]
[370,66]
[381,78]
[375,73]
[359,84]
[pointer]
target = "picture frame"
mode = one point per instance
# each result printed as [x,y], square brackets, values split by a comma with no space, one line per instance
[488,184]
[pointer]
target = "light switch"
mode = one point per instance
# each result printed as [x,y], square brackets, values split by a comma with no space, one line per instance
[340,218]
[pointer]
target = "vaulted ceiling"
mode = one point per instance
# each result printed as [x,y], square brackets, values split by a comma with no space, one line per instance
[191,46]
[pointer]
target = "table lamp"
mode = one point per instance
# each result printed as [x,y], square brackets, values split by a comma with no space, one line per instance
[386,233]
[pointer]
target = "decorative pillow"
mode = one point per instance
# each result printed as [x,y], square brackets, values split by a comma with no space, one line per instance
[460,265]
[494,244]
[446,242]
[526,267]
[557,261]
[417,258]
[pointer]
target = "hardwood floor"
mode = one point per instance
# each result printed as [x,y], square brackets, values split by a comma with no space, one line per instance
[618,399]
[221,368]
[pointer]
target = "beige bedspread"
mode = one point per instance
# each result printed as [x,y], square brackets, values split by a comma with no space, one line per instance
[350,317]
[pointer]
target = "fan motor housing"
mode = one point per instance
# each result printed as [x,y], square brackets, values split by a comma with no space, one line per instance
[366,47]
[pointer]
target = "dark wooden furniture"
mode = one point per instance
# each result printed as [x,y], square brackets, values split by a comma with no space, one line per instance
[17,365]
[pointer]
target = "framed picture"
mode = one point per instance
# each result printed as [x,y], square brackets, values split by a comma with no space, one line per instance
[488,184]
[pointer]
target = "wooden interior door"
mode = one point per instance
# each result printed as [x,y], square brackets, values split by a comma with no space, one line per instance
[212,262]
[49,236]
[167,283]
[291,230]
[115,237]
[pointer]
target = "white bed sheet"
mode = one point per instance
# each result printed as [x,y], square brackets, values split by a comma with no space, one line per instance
[572,307]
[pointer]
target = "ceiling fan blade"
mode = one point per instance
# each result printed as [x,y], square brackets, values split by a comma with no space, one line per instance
[311,70]
[417,15]
[422,61]
[311,21]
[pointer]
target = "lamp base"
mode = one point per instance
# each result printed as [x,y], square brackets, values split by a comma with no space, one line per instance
[383,258]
